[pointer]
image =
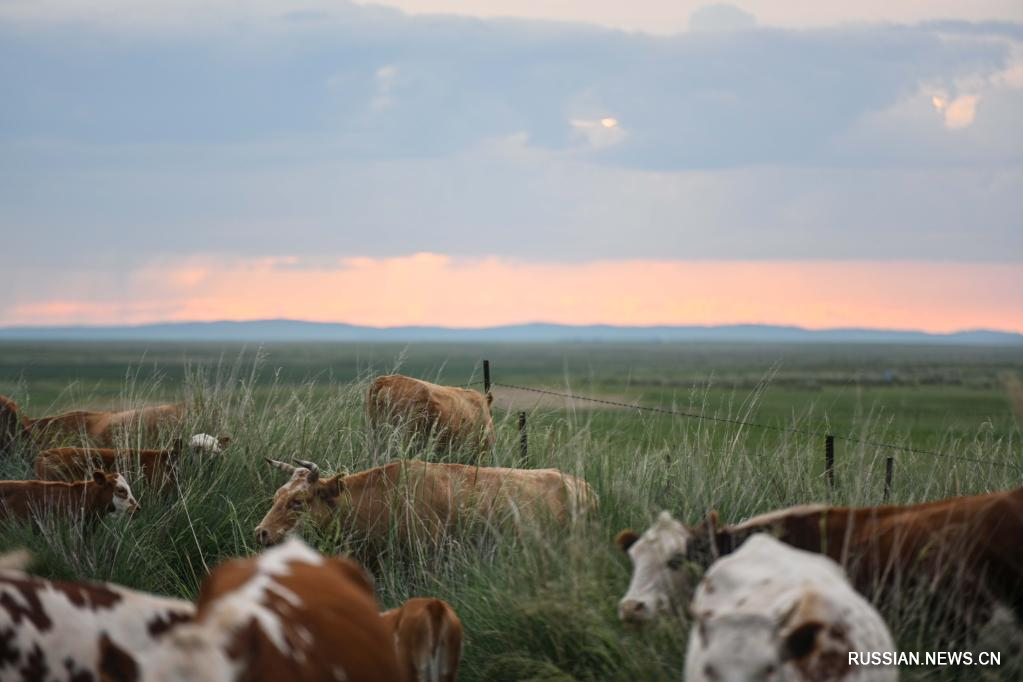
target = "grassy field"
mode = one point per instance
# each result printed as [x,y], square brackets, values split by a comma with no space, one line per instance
[538,604]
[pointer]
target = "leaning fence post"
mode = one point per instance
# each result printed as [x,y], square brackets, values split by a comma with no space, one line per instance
[523,441]
[486,377]
[829,460]
[889,464]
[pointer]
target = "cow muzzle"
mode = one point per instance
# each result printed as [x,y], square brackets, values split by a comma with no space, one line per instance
[265,538]
[634,611]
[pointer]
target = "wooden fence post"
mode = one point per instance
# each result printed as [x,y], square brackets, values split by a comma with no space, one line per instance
[486,377]
[889,464]
[829,460]
[523,441]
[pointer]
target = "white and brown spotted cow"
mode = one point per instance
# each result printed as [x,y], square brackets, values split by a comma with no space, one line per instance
[287,614]
[428,638]
[456,418]
[105,493]
[769,612]
[968,545]
[50,630]
[420,499]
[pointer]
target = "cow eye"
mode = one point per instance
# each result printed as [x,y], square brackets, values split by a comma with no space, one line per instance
[676,561]
[710,672]
[295,504]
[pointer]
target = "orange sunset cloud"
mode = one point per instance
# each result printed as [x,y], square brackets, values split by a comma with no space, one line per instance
[432,289]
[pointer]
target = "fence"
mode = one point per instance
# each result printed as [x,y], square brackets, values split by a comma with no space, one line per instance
[829,438]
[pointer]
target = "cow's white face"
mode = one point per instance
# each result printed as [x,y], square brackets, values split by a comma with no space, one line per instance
[736,647]
[204,443]
[659,571]
[123,499]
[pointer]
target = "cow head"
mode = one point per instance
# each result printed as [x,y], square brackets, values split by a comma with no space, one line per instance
[114,494]
[12,426]
[306,494]
[750,646]
[204,443]
[661,573]
[736,647]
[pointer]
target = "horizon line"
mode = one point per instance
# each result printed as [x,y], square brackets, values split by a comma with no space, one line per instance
[535,323]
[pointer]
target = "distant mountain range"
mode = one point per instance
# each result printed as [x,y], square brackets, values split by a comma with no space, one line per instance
[259,331]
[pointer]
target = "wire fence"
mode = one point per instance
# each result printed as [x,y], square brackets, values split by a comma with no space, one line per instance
[829,437]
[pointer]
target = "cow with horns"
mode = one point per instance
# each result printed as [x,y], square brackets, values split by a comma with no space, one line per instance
[419,499]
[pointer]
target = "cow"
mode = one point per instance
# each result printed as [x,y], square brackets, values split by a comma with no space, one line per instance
[74,463]
[50,629]
[105,493]
[102,428]
[428,638]
[769,611]
[287,614]
[418,498]
[13,426]
[457,418]
[969,545]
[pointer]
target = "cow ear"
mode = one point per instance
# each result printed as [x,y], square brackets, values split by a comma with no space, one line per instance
[800,642]
[626,539]
[223,441]
[712,520]
[115,664]
[331,487]
[99,476]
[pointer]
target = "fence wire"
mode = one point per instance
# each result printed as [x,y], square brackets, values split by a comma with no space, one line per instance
[759,425]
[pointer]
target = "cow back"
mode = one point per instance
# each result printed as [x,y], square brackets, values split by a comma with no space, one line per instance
[51,629]
[75,463]
[288,614]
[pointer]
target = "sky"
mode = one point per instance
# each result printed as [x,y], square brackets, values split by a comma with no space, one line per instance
[469,163]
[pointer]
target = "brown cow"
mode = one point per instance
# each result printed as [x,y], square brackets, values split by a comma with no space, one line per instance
[287,614]
[102,428]
[51,629]
[972,543]
[456,417]
[419,498]
[428,636]
[13,426]
[72,464]
[106,493]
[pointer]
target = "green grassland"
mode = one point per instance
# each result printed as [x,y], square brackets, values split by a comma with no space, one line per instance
[539,603]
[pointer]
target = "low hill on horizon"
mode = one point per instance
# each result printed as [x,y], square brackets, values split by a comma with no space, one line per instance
[259,331]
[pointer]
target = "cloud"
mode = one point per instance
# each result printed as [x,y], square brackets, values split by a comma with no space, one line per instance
[721,17]
[360,131]
[378,84]
[959,112]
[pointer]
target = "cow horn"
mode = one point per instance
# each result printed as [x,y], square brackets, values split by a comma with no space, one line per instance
[314,469]
[283,466]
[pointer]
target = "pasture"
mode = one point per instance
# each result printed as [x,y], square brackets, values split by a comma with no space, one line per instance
[540,605]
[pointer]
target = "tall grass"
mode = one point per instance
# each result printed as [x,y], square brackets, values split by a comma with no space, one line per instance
[538,604]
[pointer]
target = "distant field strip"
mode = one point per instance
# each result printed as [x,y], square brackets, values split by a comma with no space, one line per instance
[571,398]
